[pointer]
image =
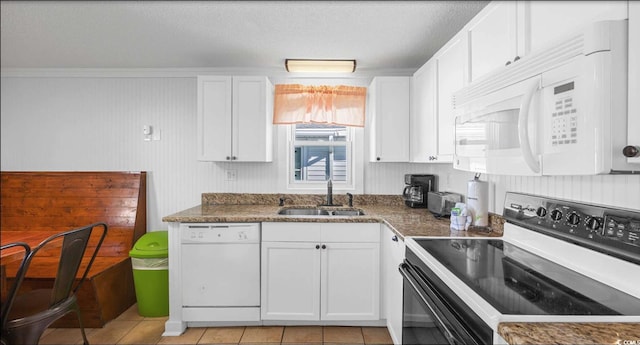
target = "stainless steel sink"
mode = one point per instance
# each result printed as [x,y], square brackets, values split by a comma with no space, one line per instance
[319,212]
[348,213]
[303,212]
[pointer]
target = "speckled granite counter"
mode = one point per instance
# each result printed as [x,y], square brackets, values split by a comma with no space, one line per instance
[570,333]
[228,207]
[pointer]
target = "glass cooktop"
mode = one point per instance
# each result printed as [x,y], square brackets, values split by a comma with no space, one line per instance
[516,281]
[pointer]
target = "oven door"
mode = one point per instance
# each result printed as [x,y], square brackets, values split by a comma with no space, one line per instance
[432,317]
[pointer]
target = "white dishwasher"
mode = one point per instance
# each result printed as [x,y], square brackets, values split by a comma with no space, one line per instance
[221,271]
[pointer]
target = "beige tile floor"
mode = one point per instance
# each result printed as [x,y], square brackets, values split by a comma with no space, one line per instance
[131,328]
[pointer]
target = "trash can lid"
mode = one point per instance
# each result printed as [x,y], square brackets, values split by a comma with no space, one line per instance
[153,244]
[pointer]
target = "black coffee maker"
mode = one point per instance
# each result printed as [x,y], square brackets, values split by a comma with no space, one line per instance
[416,189]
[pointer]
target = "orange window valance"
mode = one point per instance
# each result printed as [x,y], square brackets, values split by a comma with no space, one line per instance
[338,105]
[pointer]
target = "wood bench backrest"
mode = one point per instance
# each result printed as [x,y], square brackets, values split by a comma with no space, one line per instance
[59,201]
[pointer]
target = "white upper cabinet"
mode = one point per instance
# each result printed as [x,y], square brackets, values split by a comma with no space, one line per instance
[453,65]
[633,134]
[424,125]
[549,21]
[389,111]
[493,38]
[234,119]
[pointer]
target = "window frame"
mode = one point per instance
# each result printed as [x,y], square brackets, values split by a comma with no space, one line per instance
[349,144]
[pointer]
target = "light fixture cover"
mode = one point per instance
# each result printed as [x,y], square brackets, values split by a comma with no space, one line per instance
[320,66]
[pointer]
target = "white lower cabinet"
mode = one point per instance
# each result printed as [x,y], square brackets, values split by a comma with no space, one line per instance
[290,281]
[320,271]
[392,256]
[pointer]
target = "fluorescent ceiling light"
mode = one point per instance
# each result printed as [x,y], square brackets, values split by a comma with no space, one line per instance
[320,66]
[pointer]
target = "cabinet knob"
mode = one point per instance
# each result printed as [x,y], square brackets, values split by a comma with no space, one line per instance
[631,151]
[377,158]
[394,238]
[317,246]
[516,58]
[233,158]
[324,246]
[508,63]
[228,158]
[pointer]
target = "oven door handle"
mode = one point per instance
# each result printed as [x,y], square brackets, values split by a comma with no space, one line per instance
[405,270]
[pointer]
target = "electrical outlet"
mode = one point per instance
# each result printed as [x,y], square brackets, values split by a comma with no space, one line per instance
[231,175]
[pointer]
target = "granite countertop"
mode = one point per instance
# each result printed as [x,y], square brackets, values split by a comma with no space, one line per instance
[569,333]
[403,220]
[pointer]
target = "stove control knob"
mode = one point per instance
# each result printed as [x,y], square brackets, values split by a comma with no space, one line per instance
[573,218]
[556,215]
[593,223]
[541,212]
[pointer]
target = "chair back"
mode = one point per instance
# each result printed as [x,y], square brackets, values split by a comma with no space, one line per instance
[72,254]
[11,293]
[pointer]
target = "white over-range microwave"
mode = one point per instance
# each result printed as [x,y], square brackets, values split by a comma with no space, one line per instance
[559,111]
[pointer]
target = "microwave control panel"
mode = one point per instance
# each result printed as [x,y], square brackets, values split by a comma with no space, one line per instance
[564,117]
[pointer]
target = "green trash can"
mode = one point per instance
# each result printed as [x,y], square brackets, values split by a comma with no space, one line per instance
[150,261]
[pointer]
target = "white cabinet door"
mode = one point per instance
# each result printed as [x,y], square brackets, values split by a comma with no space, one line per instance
[633,134]
[423,123]
[252,123]
[493,40]
[290,281]
[214,118]
[389,111]
[549,21]
[392,256]
[234,119]
[452,62]
[350,281]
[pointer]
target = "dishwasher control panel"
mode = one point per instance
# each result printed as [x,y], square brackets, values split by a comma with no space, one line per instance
[220,233]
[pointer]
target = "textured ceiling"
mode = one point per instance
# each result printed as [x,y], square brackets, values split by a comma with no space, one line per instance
[380,35]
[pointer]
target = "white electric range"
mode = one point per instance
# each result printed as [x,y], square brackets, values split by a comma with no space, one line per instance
[558,261]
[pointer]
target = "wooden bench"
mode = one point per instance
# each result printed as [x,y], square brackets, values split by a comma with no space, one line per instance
[37,204]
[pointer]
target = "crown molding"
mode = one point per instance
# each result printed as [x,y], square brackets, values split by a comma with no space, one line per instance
[278,73]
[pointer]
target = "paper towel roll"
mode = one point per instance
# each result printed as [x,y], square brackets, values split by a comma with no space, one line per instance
[478,202]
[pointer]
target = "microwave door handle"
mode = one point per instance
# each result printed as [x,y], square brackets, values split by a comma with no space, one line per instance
[523,129]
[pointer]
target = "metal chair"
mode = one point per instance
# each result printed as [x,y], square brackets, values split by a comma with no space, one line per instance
[7,301]
[35,310]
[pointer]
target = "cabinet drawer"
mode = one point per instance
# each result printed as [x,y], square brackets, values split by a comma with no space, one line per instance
[350,232]
[291,232]
[320,232]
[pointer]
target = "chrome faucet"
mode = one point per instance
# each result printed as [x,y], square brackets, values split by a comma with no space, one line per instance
[329,193]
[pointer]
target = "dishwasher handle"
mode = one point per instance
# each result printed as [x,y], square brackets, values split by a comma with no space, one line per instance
[220,233]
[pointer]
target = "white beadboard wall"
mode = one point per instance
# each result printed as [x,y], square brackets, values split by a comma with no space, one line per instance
[95,123]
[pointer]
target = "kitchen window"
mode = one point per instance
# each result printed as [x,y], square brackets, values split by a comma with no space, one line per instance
[318,153]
